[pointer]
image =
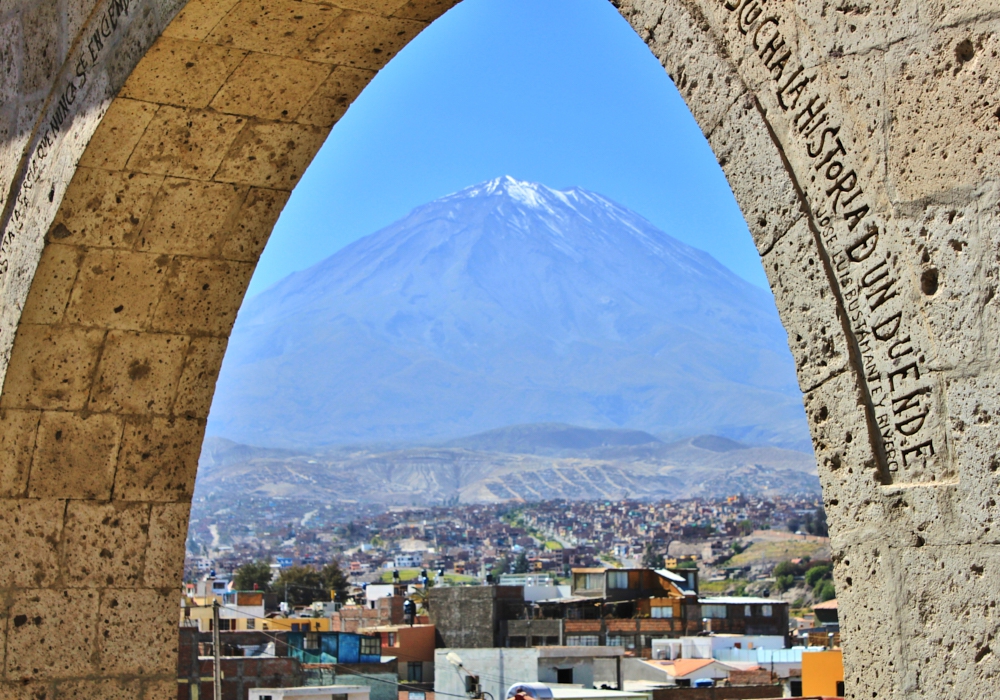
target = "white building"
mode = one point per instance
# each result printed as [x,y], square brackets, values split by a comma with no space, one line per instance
[409,560]
[315,692]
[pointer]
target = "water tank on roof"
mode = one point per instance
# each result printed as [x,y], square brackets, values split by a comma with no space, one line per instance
[539,691]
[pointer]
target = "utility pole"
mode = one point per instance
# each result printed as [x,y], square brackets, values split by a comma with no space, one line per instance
[216,643]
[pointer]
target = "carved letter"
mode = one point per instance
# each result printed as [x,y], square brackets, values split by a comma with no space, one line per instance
[892,349]
[877,330]
[918,451]
[903,371]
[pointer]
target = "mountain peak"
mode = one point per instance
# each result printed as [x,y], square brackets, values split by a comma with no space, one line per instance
[507,303]
[530,194]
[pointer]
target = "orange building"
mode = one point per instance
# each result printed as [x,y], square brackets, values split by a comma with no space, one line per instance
[823,673]
[412,645]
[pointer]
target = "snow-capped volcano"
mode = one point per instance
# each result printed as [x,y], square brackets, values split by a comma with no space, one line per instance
[509,302]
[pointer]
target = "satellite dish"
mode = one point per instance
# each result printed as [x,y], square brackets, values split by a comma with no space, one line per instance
[454,659]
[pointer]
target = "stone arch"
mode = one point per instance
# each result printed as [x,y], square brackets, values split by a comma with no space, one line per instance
[149,145]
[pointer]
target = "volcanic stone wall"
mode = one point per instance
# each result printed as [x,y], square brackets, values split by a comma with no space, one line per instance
[148,146]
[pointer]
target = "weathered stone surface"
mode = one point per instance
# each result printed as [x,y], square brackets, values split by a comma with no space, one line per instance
[30,554]
[331,100]
[17,444]
[201,371]
[75,455]
[158,459]
[202,296]
[104,544]
[110,689]
[116,289]
[39,642]
[54,368]
[185,142]
[136,638]
[271,154]
[190,217]
[799,279]
[138,373]
[270,87]
[168,525]
[104,209]
[182,72]
[860,140]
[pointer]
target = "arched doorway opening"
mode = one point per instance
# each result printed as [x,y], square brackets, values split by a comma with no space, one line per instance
[836,134]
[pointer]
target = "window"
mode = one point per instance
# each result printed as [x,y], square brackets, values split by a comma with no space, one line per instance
[227,625]
[371,646]
[564,675]
[583,640]
[295,627]
[661,611]
[415,671]
[617,579]
[518,642]
[251,624]
[746,611]
[766,610]
[622,640]
[717,612]
[588,582]
[391,639]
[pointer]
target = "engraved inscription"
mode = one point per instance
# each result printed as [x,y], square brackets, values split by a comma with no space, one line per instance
[106,26]
[904,399]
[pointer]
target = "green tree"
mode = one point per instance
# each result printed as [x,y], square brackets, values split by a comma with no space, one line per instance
[816,523]
[650,558]
[784,582]
[784,569]
[824,591]
[687,564]
[335,580]
[500,567]
[817,574]
[521,563]
[255,575]
[301,585]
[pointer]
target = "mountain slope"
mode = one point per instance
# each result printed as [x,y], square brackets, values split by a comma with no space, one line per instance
[503,304]
[435,475]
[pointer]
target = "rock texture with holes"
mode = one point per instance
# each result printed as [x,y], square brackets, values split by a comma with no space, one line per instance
[148,146]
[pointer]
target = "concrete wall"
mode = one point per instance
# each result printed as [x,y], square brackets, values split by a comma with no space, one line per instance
[498,669]
[472,616]
[145,156]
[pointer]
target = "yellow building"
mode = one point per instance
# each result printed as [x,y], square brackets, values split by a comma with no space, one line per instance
[297,624]
[823,673]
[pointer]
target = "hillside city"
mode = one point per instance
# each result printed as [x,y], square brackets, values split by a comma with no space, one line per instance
[632,598]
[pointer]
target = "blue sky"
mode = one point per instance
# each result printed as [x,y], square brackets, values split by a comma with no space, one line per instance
[560,92]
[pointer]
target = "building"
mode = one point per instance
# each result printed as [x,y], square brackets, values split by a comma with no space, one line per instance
[409,560]
[387,610]
[679,672]
[738,615]
[494,671]
[413,648]
[823,673]
[473,617]
[238,610]
[322,692]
